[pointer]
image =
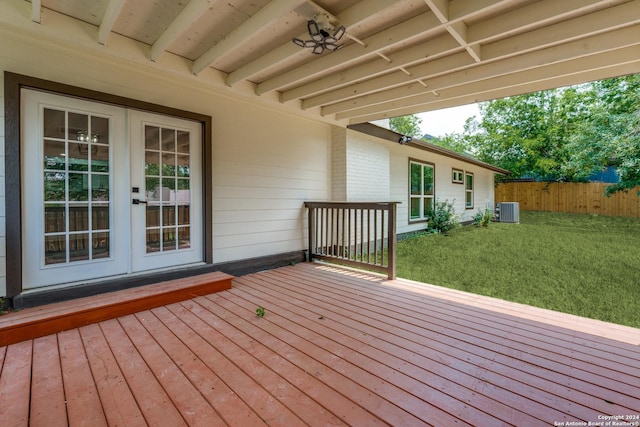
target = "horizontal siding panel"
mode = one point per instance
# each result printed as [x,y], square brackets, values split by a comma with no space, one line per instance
[252,228]
[242,216]
[271,194]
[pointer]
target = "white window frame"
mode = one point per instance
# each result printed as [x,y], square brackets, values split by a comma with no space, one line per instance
[422,196]
[468,192]
[457,176]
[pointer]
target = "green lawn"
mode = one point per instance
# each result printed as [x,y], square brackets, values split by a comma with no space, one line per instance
[581,264]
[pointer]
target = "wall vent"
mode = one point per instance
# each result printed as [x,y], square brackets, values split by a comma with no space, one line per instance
[508,212]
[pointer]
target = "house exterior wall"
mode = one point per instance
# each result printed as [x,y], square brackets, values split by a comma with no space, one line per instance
[266,162]
[445,190]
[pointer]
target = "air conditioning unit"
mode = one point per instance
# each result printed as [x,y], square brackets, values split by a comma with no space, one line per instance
[508,212]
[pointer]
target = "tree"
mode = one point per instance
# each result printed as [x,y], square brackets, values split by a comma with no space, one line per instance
[406,125]
[562,134]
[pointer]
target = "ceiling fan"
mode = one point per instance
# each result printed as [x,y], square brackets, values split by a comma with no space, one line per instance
[321,38]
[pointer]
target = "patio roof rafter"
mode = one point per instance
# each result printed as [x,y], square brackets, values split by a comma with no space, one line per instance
[434,48]
[396,57]
[399,85]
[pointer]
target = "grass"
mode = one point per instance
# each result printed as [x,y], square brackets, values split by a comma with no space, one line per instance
[585,265]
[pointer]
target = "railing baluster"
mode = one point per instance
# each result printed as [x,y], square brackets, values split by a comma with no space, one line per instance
[343,232]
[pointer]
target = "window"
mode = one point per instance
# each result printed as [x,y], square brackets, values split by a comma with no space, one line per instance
[421,190]
[468,190]
[457,176]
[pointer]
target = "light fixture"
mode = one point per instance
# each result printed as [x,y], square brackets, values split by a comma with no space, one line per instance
[319,30]
[405,139]
[83,136]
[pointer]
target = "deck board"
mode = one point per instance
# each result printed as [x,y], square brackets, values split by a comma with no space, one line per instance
[335,347]
[48,403]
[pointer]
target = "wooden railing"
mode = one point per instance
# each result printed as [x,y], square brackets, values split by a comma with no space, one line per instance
[361,235]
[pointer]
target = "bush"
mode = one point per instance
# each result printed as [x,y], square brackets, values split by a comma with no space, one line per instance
[443,218]
[482,218]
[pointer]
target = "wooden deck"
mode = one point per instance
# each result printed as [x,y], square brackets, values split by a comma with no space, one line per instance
[335,347]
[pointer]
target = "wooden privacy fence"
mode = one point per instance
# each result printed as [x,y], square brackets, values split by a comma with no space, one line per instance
[573,197]
[357,234]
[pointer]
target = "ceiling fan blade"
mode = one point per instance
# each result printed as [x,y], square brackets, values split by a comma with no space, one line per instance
[310,43]
[299,42]
[339,33]
[318,49]
[332,46]
[314,30]
[330,39]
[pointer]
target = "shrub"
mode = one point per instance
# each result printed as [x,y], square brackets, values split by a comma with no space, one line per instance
[482,218]
[443,218]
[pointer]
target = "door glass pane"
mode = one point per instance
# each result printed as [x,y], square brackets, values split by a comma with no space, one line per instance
[78,156]
[55,218]
[99,187]
[55,249]
[168,189]
[54,186]
[184,238]
[76,201]
[100,245]
[151,137]
[54,155]
[79,217]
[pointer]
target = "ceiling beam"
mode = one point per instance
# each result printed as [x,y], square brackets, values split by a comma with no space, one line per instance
[272,10]
[429,50]
[525,86]
[542,39]
[384,40]
[350,17]
[432,49]
[412,28]
[36,7]
[457,29]
[584,47]
[109,19]
[190,14]
[556,70]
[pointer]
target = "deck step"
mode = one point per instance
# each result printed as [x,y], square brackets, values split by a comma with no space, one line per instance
[52,318]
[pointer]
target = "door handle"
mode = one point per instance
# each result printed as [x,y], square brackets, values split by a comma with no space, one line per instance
[138,201]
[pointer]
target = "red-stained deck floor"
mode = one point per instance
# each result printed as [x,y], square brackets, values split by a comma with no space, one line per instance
[335,347]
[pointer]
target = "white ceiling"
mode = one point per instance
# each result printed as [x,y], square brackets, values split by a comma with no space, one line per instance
[399,57]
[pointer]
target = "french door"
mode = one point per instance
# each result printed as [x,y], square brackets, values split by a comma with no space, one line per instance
[106,191]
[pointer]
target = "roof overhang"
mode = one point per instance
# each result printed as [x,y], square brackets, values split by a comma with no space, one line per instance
[390,135]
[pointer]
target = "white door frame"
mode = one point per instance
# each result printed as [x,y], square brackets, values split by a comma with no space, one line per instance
[35,274]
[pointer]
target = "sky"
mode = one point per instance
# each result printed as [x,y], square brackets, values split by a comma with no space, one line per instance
[448,120]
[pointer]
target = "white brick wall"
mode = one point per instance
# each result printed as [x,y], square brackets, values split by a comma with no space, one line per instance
[368,174]
[338,164]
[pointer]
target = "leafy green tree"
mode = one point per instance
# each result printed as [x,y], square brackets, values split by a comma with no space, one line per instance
[562,134]
[406,125]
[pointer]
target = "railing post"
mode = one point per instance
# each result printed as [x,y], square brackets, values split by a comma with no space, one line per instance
[391,271]
[311,228]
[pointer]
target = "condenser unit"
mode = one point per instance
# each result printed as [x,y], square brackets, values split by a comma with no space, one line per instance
[508,212]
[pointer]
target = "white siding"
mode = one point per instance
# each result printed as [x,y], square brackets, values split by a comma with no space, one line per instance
[266,161]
